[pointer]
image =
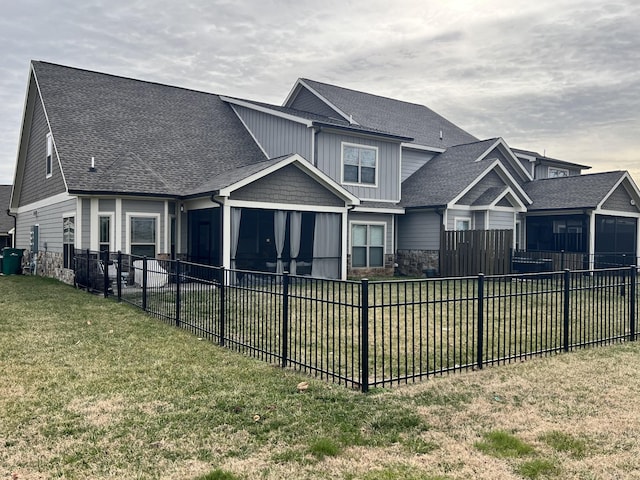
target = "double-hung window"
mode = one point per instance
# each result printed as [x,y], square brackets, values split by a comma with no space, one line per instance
[49,159]
[367,245]
[104,233]
[143,236]
[359,164]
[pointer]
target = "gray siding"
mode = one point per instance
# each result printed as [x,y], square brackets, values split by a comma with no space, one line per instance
[277,136]
[84,230]
[49,219]
[419,231]
[288,185]
[501,220]
[35,185]
[492,179]
[453,213]
[107,205]
[412,160]
[478,220]
[330,162]
[308,102]
[542,171]
[375,218]
[620,201]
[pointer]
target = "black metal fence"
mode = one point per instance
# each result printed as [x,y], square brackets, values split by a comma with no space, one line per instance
[366,334]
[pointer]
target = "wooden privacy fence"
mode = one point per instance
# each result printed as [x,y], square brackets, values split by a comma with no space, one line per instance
[469,252]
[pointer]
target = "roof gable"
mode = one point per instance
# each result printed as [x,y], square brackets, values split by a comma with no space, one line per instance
[588,191]
[142,127]
[450,176]
[406,119]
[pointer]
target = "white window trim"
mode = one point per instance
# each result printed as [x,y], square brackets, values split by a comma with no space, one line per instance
[358,145]
[49,157]
[112,225]
[558,170]
[462,219]
[384,239]
[128,229]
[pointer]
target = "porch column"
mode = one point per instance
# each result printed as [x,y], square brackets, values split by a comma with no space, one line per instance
[226,236]
[592,239]
[345,251]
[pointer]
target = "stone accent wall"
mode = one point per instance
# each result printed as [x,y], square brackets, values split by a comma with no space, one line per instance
[386,271]
[47,264]
[418,263]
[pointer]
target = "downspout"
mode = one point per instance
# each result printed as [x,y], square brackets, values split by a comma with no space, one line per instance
[15,227]
[316,131]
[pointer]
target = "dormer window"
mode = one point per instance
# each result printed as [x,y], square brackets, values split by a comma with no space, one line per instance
[49,160]
[558,172]
[359,164]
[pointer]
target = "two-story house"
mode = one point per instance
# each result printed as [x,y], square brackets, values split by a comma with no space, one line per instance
[334,182]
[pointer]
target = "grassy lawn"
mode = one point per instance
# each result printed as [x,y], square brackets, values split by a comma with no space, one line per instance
[94,389]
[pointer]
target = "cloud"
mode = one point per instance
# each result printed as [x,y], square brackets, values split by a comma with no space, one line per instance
[537,73]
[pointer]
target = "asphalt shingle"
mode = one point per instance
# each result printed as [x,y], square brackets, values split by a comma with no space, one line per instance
[146,137]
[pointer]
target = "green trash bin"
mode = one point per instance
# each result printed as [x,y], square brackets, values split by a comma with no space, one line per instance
[11,261]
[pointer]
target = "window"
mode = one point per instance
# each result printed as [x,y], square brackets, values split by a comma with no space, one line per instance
[558,172]
[367,246]
[104,234]
[49,162]
[143,236]
[359,164]
[68,241]
[462,223]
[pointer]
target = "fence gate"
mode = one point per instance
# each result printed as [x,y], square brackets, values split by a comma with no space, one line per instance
[469,252]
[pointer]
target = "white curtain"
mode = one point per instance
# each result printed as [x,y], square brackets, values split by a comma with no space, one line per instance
[279,230]
[295,230]
[326,246]
[236,214]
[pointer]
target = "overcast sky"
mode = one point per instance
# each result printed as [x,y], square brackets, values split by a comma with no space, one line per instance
[554,76]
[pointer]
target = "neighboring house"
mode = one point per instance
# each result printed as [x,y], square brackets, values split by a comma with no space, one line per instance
[331,183]
[6,221]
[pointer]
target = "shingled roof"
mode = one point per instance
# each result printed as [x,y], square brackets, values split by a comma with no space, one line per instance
[146,138]
[445,176]
[576,192]
[395,116]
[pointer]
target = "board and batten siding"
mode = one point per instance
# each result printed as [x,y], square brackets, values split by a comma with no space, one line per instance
[329,160]
[374,218]
[413,160]
[419,231]
[49,219]
[620,201]
[35,185]
[277,136]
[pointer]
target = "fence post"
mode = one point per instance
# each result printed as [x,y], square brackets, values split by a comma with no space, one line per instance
[567,290]
[178,276]
[561,259]
[632,302]
[479,347]
[88,270]
[221,310]
[285,318]
[364,337]
[105,272]
[119,275]
[144,283]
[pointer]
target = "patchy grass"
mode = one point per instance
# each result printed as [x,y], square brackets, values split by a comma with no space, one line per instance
[94,389]
[503,444]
